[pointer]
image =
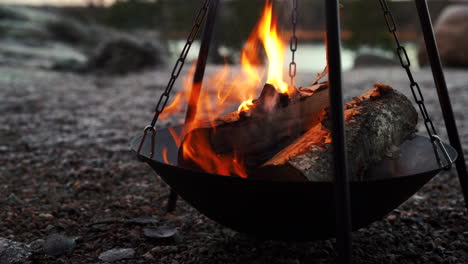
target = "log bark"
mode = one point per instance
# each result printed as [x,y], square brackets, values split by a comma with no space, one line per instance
[376,122]
[274,121]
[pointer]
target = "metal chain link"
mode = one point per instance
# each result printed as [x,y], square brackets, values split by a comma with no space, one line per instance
[180,62]
[415,89]
[174,75]
[293,43]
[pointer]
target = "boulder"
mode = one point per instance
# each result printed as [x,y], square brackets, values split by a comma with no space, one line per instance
[451,31]
[37,26]
[374,59]
[48,38]
[121,56]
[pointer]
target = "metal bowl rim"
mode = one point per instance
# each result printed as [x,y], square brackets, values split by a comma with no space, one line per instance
[245,180]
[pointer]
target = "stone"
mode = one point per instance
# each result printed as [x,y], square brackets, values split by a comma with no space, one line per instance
[50,39]
[47,216]
[123,55]
[12,252]
[37,26]
[451,32]
[374,59]
[148,256]
[163,233]
[58,244]
[37,245]
[116,254]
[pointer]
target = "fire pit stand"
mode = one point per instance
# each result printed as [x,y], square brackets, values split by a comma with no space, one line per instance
[342,204]
[409,178]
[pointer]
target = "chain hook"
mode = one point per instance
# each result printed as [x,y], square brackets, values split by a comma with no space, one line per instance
[415,89]
[436,139]
[145,133]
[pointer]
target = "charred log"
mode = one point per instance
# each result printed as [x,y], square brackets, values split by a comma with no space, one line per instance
[274,121]
[376,122]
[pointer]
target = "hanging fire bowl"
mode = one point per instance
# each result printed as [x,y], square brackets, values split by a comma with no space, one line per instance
[293,210]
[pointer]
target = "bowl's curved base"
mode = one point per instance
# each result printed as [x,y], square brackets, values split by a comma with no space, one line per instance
[296,210]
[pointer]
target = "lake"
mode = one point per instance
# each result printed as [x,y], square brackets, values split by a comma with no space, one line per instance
[310,57]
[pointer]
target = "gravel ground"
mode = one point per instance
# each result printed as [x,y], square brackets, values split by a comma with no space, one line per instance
[66,169]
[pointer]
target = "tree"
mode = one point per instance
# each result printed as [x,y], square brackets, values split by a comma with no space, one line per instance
[365,20]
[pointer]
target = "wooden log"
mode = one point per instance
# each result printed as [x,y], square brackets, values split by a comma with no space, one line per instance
[376,122]
[274,121]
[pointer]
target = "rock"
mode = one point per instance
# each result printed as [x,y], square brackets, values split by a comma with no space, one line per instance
[46,38]
[73,32]
[30,37]
[116,254]
[58,244]
[451,31]
[38,26]
[46,216]
[67,64]
[13,252]
[163,233]
[124,55]
[374,59]
[37,245]
[148,256]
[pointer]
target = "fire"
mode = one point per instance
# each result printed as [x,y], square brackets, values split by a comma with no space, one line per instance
[164,154]
[245,105]
[174,107]
[274,48]
[233,87]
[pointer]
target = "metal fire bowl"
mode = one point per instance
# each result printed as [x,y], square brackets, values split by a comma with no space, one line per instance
[294,210]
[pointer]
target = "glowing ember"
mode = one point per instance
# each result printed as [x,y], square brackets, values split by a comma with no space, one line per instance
[245,105]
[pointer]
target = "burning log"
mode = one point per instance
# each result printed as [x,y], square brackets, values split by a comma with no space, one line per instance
[272,122]
[376,122]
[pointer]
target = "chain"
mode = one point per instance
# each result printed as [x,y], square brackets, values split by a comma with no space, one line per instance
[293,43]
[415,89]
[180,62]
[175,73]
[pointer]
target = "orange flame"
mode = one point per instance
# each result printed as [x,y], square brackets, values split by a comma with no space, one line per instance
[230,91]
[172,108]
[244,106]
[164,154]
[268,33]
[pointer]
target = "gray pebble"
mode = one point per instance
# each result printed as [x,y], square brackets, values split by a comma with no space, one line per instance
[116,254]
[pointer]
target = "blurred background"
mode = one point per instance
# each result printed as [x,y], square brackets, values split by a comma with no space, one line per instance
[105,35]
[79,78]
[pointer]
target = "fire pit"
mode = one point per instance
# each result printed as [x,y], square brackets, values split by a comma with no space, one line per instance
[211,163]
[293,210]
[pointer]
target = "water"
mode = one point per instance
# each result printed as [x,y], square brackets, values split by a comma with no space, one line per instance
[310,57]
